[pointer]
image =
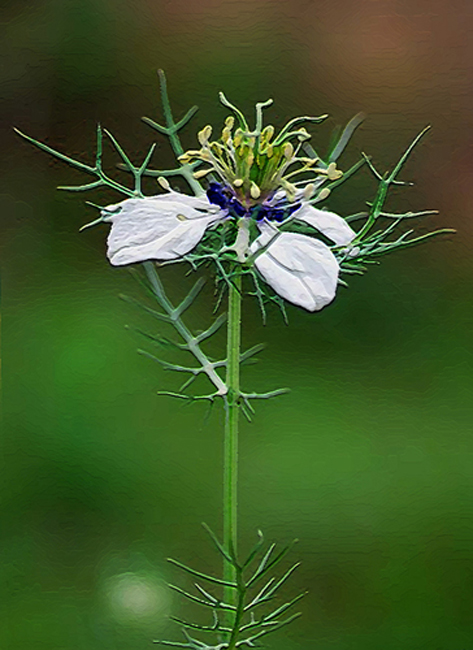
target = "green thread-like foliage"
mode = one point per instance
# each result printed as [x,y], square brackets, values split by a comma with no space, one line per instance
[238,625]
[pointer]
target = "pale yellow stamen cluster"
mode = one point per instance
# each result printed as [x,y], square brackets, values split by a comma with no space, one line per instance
[256,163]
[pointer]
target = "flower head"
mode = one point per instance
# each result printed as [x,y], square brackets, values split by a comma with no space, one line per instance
[254,164]
[257,194]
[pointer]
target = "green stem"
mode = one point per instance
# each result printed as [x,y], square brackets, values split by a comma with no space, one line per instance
[230,477]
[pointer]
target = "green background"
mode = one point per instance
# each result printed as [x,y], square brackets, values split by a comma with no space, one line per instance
[368,461]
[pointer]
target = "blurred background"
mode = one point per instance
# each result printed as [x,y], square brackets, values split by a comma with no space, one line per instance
[369,460]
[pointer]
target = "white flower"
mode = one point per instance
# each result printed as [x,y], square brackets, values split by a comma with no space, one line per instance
[162,227]
[300,268]
[328,223]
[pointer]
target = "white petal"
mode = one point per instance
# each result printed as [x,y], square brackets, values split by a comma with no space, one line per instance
[162,227]
[300,269]
[328,223]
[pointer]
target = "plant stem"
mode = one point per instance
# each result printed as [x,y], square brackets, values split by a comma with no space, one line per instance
[230,473]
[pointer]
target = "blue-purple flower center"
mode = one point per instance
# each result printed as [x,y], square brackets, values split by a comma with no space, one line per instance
[222,196]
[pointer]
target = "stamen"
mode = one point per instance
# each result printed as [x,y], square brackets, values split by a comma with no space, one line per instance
[267,133]
[204,135]
[237,138]
[164,183]
[303,134]
[308,161]
[238,182]
[254,191]
[309,191]
[323,194]
[226,135]
[202,172]
[333,173]
[290,190]
[288,150]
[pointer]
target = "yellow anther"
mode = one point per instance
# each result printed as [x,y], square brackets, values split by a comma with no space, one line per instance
[303,134]
[229,122]
[269,150]
[204,135]
[238,182]
[250,158]
[201,173]
[237,138]
[288,150]
[333,173]
[181,217]
[184,158]
[226,135]
[309,191]
[323,194]
[254,191]
[267,133]
[308,161]
[164,183]
[290,190]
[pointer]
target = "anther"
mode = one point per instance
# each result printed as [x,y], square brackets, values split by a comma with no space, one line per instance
[267,133]
[202,172]
[254,191]
[288,150]
[237,138]
[308,161]
[204,135]
[333,173]
[164,183]
[303,134]
[290,190]
[238,182]
[323,194]
[309,191]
